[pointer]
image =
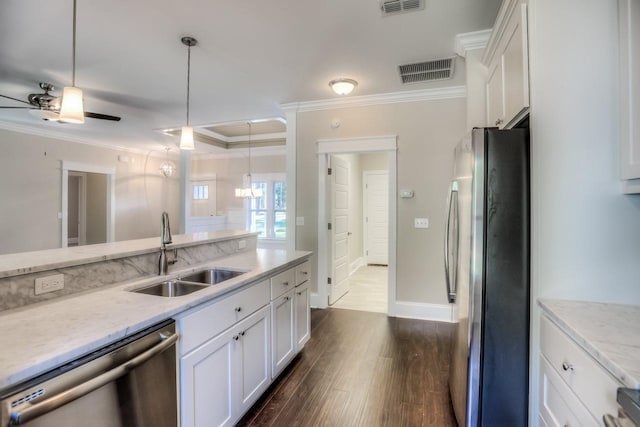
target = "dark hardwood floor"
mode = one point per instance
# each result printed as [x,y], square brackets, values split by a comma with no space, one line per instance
[362,369]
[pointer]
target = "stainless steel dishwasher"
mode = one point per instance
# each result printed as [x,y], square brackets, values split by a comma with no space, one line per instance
[129,383]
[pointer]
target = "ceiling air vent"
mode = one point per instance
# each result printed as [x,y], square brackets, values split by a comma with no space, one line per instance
[439,69]
[389,7]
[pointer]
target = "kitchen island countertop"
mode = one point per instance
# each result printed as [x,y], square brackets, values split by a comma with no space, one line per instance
[40,337]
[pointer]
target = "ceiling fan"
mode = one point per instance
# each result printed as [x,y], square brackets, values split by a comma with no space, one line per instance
[47,106]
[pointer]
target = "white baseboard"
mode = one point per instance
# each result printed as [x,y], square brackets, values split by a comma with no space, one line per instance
[415,310]
[356,265]
[315,301]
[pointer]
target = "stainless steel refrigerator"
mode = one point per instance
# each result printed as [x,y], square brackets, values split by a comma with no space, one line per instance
[487,275]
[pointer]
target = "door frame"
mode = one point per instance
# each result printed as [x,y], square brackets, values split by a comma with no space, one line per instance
[82,207]
[110,172]
[365,210]
[327,147]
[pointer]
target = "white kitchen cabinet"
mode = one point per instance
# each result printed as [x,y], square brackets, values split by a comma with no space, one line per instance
[282,332]
[574,388]
[507,60]
[629,30]
[302,315]
[223,377]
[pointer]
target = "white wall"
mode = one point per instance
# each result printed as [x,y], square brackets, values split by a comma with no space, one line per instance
[427,133]
[585,233]
[31,187]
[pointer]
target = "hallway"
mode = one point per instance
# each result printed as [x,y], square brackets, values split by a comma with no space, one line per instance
[368,290]
[362,369]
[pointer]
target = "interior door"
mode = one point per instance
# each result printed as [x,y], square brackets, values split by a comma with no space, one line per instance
[377,217]
[339,229]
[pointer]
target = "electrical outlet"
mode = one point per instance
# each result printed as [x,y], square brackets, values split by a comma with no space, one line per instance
[421,222]
[242,244]
[49,284]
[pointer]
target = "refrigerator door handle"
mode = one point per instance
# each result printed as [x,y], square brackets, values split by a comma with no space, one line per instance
[450,275]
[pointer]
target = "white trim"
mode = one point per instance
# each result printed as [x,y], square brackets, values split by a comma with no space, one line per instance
[416,310]
[356,145]
[355,265]
[273,150]
[378,99]
[110,172]
[365,144]
[291,121]
[465,42]
[314,300]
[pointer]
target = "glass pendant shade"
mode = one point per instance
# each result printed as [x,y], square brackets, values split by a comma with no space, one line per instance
[167,169]
[186,138]
[71,110]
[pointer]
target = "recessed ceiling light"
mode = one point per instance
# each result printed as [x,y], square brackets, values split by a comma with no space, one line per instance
[343,86]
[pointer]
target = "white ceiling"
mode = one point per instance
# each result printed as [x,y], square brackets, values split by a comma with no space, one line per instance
[252,56]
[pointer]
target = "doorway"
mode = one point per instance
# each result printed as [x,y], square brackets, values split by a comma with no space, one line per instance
[88,208]
[329,247]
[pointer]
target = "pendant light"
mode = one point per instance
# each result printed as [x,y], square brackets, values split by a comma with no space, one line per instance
[71,109]
[186,136]
[249,192]
[167,168]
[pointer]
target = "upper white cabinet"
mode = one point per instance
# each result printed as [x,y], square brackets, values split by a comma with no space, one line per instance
[507,60]
[629,21]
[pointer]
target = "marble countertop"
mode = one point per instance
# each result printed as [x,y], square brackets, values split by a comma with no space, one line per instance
[43,336]
[50,259]
[608,332]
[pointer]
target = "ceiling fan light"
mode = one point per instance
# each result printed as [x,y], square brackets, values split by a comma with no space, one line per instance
[343,86]
[186,138]
[71,110]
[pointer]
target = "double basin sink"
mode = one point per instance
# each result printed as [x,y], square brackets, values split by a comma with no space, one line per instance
[184,285]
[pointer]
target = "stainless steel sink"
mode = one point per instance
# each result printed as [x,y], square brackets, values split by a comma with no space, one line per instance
[171,288]
[212,276]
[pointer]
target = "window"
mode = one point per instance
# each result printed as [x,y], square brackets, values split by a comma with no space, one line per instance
[268,215]
[200,192]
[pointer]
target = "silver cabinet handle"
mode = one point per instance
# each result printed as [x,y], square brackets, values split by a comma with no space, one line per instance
[299,293]
[566,366]
[242,333]
[236,337]
[61,399]
[286,298]
[304,272]
[285,283]
[238,309]
[499,122]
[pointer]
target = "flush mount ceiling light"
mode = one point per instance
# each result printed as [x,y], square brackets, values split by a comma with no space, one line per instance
[71,109]
[167,168]
[343,86]
[186,137]
[249,192]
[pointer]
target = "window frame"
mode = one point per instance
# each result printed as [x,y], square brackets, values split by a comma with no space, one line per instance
[270,179]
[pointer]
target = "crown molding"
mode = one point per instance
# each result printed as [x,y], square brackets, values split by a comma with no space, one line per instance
[64,137]
[378,99]
[465,42]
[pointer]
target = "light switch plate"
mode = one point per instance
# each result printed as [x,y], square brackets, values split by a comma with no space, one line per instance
[49,284]
[299,220]
[421,222]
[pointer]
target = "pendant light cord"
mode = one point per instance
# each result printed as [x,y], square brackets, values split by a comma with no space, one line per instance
[188,79]
[73,50]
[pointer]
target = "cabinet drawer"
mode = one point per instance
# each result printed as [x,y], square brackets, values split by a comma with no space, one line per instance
[199,326]
[591,383]
[282,283]
[303,272]
[559,407]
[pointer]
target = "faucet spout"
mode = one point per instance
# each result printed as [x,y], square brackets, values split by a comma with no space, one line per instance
[165,232]
[165,239]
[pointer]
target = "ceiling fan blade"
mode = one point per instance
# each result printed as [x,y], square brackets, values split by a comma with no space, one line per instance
[15,99]
[101,116]
[21,108]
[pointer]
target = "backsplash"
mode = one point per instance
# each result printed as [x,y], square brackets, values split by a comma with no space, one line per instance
[18,291]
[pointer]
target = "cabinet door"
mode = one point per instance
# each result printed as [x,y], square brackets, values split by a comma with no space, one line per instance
[255,367]
[282,332]
[206,376]
[302,314]
[516,66]
[629,14]
[495,101]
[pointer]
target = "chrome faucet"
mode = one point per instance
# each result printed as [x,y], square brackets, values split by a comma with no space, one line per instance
[165,239]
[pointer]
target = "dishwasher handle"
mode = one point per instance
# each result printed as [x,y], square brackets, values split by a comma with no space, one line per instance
[60,399]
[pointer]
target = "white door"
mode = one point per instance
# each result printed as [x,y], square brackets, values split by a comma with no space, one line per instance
[377,217]
[339,229]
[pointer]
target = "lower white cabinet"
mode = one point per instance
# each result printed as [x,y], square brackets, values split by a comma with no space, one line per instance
[223,377]
[282,332]
[302,315]
[574,389]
